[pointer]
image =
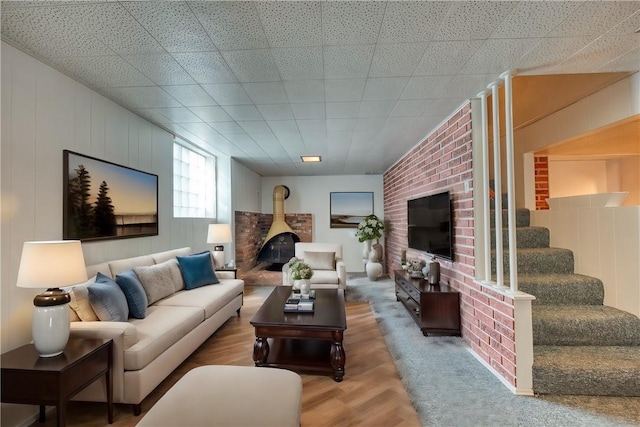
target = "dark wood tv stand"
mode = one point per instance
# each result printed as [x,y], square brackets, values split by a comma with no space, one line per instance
[435,308]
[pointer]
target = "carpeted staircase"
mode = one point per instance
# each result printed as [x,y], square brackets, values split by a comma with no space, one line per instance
[581,347]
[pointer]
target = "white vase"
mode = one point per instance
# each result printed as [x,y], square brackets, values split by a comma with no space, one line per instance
[366,248]
[296,284]
[305,287]
[374,270]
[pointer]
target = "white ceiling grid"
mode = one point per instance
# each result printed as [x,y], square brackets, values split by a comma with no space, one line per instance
[359,83]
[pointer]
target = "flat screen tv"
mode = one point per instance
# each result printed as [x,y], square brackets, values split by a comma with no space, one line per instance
[430,225]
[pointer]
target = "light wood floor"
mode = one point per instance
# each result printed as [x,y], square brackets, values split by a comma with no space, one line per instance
[371,393]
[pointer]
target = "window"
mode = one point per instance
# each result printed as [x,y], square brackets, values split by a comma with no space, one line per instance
[194,183]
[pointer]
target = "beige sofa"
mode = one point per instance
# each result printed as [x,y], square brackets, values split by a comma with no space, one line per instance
[147,350]
[329,271]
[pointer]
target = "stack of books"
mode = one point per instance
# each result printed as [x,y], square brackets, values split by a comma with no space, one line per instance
[296,303]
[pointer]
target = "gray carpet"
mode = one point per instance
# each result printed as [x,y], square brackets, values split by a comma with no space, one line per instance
[449,387]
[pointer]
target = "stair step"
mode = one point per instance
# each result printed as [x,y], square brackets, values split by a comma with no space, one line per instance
[538,261]
[584,325]
[526,237]
[572,289]
[522,217]
[591,370]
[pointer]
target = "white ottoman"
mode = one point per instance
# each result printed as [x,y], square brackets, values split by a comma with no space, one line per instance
[230,396]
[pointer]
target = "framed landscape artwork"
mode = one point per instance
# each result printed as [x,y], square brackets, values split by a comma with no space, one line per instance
[347,209]
[103,200]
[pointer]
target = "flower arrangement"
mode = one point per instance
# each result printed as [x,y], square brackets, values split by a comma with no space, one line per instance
[299,270]
[369,228]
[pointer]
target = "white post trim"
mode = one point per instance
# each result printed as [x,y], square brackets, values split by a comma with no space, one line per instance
[497,179]
[485,185]
[511,192]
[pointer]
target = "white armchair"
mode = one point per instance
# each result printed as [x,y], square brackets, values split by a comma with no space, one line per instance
[329,271]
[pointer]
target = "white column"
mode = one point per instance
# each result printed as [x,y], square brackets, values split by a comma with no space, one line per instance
[497,179]
[485,186]
[511,193]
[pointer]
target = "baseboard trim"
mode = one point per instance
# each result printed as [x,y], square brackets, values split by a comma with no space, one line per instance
[515,390]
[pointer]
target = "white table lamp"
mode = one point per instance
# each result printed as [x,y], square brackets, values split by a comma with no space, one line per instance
[51,265]
[218,234]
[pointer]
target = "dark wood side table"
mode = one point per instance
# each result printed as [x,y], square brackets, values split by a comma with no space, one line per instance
[234,270]
[30,379]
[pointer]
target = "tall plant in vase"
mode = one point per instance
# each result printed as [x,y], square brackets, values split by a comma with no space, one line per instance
[370,229]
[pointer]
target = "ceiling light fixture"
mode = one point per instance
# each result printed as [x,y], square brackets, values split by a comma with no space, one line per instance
[311,159]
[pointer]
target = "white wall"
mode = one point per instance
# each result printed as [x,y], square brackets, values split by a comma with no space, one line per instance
[572,178]
[247,188]
[310,194]
[44,112]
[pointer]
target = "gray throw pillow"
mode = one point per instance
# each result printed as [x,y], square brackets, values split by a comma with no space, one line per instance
[320,260]
[108,300]
[157,281]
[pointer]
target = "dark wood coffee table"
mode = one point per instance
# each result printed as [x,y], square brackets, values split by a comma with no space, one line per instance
[307,342]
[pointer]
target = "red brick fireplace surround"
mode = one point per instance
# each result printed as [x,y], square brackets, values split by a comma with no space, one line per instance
[443,161]
[250,230]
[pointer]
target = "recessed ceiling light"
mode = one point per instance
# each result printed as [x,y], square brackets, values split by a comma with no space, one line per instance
[311,159]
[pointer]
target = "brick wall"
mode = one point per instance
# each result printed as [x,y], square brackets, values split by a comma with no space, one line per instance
[541,168]
[443,161]
[251,228]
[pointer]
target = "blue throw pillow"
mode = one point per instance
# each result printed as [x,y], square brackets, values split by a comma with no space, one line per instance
[197,270]
[134,292]
[108,300]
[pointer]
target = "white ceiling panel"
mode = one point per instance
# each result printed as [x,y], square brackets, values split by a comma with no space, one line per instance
[205,67]
[355,78]
[288,24]
[231,24]
[252,65]
[102,71]
[347,62]
[211,114]
[398,59]
[190,95]
[299,63]
[161,68]
[227,93]
[344,90]
[108,22]
[172,24]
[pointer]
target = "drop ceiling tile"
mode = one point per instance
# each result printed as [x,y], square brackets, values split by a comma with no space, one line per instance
[375,108]
[467,86]
[49,32]
[304,90]
[344,62]
[102,71]
[242,112]
[446,57]
[548,53]
[369,124]
[351,22]
[256,127]
[205,132]
[153,115]
[179,115]
[400,123]
[473,20]
[627,62]
[114,26]
[211,114]
[497,55]
[425,87]
[309,127]
[344,90]
[299,63]
[161,68]
[227,93]
[594,18]
[399,59]
[266,93]
[311,110]
[285,127]
[408,108]
[231,24]
[521,22]
[172,24]
[252,65]
[288,24]
[341,125]
[276,111]
[140,97]
[409,21]
[386,88]
[444,106]
[342,110]
[205,67]
[224,128]
[190,95]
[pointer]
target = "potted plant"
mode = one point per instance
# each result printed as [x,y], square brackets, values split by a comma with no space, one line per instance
[369,229]
[301,273]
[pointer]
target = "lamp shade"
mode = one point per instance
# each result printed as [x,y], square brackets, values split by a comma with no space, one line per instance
[51,264]
[219,233]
